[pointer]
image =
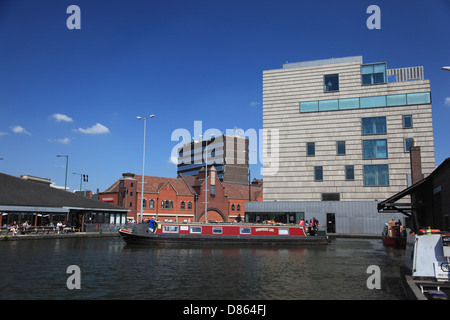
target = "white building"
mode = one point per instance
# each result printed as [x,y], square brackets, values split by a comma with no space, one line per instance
[345,129]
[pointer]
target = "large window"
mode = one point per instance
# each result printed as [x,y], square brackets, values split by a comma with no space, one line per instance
[376,148]
[366,102]
[331,82]
[373,73]
[373,125]
[376,175]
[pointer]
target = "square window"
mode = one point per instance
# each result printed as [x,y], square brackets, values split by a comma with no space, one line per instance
[373,149]
[331,82]
[376,175]
[310,149]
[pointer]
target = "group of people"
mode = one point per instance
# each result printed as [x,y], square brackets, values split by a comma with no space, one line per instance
[13,228]
[310,227]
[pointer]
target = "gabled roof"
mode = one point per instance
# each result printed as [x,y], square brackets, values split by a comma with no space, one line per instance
[238,191]
[154,184]
[16,192]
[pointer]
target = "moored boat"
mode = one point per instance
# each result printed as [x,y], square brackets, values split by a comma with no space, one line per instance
[426,274]
[394,234]
[219,233]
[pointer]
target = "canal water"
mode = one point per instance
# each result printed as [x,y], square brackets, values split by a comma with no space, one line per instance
[110,269]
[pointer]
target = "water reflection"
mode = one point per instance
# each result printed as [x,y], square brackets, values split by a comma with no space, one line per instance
[112,270]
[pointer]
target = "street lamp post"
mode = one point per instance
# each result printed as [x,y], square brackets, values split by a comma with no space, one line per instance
[143,161]
[67,164]
[206,179]
[81,178]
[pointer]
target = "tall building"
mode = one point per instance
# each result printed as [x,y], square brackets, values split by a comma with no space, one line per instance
[345,129]
[228,154]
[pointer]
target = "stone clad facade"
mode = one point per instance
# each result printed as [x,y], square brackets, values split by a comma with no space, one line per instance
[322,109]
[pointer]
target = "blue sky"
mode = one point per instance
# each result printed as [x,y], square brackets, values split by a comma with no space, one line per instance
[78,92]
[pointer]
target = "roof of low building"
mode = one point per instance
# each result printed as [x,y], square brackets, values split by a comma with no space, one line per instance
[27,193]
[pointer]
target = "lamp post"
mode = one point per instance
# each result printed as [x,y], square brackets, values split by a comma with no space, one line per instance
[206,178]
[67,164]
[143,161]
[81,178]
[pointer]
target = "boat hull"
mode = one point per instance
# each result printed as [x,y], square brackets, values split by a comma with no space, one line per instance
[394,241]
[141,235]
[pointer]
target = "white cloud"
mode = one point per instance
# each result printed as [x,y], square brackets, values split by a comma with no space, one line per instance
[173,160]
[19,129]
[62,117]
[254,103]
[97,129]
[63,141]
[447,101]
[3,134]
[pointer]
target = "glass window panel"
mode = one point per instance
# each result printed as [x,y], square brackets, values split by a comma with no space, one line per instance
[373,102]
[396,100]
[368,69]
[374,125]
[392,78]
[407,121]
[352,103]
[419,98]
[311,106]
[331,82]
[327,105]
[318,173]
[408,143]
[340,147]
[379,71]
[349,172]
[310,149]
[376,175]
[375,149]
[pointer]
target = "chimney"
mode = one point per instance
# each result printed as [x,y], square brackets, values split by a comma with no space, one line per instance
[416,163]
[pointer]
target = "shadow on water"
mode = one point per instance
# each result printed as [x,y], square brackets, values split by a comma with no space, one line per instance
[112,270]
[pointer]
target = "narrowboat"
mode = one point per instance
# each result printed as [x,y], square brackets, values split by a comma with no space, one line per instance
[394,235]
[219,233]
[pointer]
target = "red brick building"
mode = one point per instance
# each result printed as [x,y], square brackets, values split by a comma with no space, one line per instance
[181,198]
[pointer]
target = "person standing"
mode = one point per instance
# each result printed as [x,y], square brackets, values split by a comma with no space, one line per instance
[152,225]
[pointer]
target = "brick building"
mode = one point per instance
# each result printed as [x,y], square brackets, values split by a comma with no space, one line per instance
[181,198]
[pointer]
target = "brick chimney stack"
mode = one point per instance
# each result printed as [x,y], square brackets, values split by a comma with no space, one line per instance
[416,163]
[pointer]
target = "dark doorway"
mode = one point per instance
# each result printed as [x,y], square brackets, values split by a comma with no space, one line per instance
[331,223]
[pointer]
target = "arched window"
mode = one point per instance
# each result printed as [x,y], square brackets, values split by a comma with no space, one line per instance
[144,203]
[238,208]
[171,204]
[189,205]
[162,204]
[167,204]
[232,207]
[152,204]
[182,207]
